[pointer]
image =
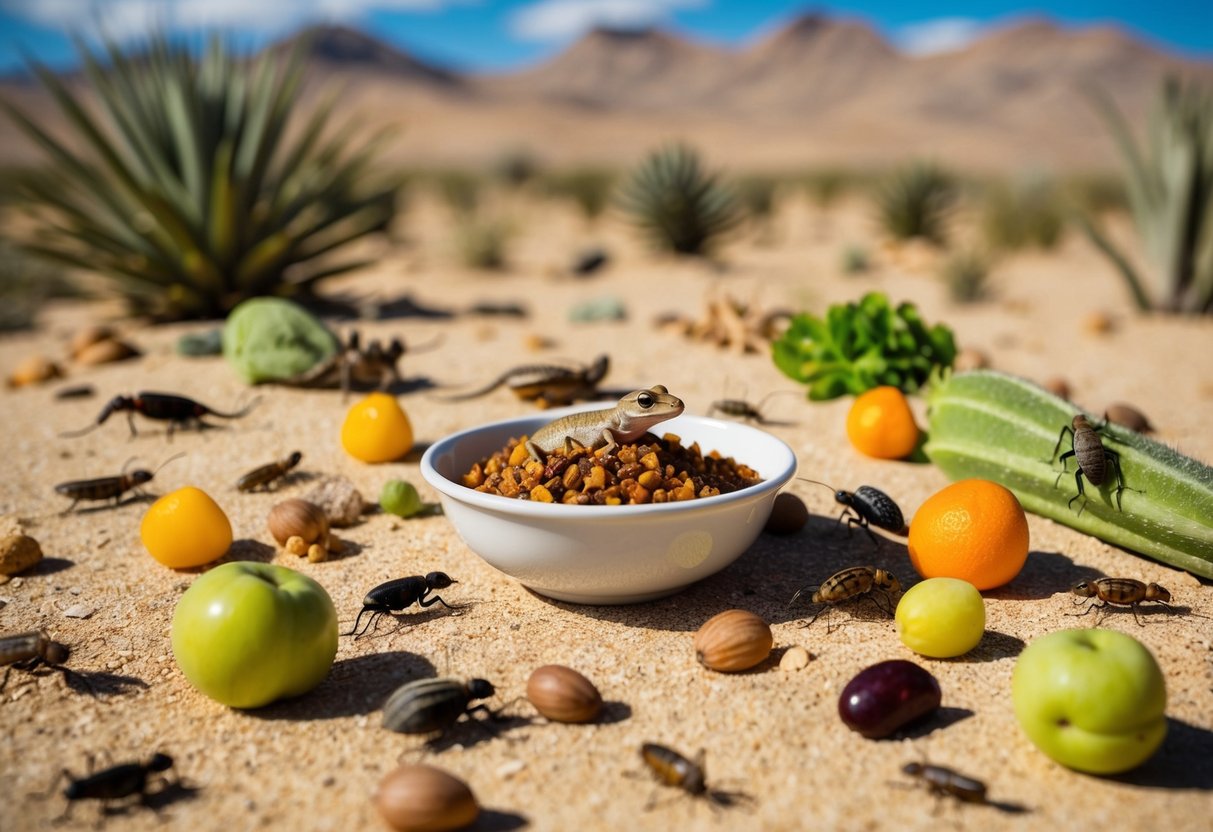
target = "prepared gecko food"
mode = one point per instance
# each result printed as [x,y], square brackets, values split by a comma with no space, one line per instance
[650,470]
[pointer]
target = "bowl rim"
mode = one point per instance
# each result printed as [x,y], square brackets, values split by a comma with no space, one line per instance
[555,511]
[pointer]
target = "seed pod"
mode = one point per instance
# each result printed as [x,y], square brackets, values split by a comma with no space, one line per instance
[298,518]
[733,640]
[563,695]
[34,370]
[418,798]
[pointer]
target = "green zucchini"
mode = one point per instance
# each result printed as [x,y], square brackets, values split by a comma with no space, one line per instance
[997,427]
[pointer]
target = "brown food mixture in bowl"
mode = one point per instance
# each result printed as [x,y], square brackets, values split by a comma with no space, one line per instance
[651,470]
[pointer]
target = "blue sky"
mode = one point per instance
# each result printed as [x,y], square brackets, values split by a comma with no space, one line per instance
[490,35]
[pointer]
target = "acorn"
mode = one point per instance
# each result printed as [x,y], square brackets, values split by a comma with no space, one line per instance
[733,640]
[420,798]
[563,695]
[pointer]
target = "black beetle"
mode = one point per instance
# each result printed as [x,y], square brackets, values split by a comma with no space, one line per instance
[944,781]
[113,783]
[427,706]
[396,595]
[870,506]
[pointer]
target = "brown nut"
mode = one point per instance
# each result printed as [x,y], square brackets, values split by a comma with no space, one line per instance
[298,518]
[295,545]
[563,695]
[788,515]
[419,798]
[733,640]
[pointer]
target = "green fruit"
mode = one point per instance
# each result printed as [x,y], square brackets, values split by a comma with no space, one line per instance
[400,498]
[941,618]
[246,634]
[1092,700]
[271,339]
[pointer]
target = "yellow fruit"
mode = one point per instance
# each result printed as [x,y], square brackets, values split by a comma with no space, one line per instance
[186,528]
[377,430]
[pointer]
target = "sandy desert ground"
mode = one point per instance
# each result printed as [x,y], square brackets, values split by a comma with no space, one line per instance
[313,763]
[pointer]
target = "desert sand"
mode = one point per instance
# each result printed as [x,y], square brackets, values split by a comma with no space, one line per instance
[314,762]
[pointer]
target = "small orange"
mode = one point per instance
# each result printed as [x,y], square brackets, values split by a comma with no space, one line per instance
[974,530]
[881,425]
[377,429]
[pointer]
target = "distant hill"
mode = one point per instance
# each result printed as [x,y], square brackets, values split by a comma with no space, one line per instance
[819,90]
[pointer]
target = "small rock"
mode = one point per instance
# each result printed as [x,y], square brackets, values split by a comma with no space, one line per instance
[795,658]
[78,611]
[341,501]
[197,344]
[970,359]
[507,770]
[18,552]
[609,308]
[1059,387]
[589,261]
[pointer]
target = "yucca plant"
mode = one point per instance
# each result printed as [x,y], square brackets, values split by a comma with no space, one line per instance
[589,187]
[966,275]
[916,201]
[679,205]
[1170,186]
[183,186]
[1022,213]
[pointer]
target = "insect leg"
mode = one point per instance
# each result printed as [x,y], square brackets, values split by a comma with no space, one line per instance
[1064,430]
[1114,458]
[437,599]
[1081,491]
[862,522]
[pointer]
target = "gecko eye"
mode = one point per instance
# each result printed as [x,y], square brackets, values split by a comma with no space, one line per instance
[645,400]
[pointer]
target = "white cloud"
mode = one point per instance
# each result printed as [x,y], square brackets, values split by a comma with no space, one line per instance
[553,20]
[945,34]
[126,19]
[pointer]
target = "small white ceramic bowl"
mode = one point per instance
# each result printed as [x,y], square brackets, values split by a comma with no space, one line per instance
[609,554]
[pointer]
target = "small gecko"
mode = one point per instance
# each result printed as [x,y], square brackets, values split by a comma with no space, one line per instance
[626,421]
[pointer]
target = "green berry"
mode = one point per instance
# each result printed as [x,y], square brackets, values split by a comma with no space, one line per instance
[400,498]
[941,618]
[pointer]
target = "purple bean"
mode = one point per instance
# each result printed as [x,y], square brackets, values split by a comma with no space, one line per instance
[888,696]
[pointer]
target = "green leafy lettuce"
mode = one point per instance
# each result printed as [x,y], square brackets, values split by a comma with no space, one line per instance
[858,346]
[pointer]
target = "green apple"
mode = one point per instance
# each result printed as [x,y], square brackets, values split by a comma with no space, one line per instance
[1093,700]
[246,634]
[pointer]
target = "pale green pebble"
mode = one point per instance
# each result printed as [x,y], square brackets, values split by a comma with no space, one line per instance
[272,339]
[607,308]
[941,618]
[400,498]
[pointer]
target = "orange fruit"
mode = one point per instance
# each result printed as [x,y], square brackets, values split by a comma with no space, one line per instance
[186,528]
[974,530]
[377,429]
[881,425]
